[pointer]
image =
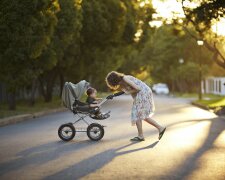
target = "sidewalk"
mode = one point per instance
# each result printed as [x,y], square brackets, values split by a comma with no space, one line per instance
[24,117]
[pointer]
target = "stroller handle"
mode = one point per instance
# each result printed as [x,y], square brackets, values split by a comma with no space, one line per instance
[111,97]
[118,94]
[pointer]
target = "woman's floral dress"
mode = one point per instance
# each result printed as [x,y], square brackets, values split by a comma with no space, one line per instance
[143,105]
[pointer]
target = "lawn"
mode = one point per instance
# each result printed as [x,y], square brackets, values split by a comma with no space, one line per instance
[212,103]
[23,106]
[208,100]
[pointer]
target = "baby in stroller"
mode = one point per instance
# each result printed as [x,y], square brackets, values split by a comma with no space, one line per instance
[93,103]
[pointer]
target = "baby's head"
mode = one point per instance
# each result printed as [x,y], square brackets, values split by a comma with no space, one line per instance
[91,92]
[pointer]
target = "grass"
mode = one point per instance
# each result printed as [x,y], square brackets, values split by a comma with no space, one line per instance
[208,100]
[212,103]
[195,95]
[186,95]
[23,106]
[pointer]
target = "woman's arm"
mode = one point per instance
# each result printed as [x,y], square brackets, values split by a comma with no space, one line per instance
[132,84]
[125,91]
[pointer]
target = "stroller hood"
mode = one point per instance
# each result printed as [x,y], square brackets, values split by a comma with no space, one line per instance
[72,92]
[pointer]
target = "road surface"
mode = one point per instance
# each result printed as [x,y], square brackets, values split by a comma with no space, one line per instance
[193,147]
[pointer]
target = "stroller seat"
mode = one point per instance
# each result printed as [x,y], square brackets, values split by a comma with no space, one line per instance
[71,96]
[81,107]
[84,108]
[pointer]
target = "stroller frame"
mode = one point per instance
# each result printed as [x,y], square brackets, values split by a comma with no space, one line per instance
[95,131]
[82,118]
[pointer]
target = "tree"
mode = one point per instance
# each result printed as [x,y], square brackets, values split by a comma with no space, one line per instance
[26,28]
[202,18]
[103,39]
[161,54]
[67,32]
[108,33]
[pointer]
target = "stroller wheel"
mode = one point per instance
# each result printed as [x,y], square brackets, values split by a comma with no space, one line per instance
[95,132]
[66,132]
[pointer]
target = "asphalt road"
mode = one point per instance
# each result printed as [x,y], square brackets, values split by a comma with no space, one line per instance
[193,147]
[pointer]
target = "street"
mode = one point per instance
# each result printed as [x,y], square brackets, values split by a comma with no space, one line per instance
[193,146]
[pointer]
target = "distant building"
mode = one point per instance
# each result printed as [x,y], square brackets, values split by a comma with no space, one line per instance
[214,85]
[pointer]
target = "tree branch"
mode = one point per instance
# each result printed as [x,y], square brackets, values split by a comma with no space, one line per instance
[218,57]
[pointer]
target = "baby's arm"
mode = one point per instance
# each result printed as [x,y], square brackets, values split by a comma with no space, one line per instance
[93,105]
[98,100]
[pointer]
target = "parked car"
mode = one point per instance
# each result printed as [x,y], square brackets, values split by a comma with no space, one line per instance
[160,88]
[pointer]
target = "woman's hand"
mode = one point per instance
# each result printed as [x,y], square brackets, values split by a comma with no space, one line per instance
[134,95]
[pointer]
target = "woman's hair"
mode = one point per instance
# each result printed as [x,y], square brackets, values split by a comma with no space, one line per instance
[90,91]
[113,79]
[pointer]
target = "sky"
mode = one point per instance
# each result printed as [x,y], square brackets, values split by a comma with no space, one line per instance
[169,8]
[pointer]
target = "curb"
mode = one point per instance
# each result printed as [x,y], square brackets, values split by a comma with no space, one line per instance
[200,105]
[24,117]
[208,109]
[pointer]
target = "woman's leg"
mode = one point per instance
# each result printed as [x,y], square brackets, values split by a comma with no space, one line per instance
[155,124]
[139,128]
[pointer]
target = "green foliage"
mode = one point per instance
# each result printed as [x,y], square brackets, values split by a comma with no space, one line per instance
[185,77]
[204,14]
[53,41]
[201,19]
[57,40]
[67,33]
[107,36]
[161,54]
[26,28]
[103,22]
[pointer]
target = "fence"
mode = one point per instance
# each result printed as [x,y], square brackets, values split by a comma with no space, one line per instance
[214,85]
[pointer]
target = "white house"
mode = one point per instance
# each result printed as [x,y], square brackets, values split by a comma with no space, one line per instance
[214,85]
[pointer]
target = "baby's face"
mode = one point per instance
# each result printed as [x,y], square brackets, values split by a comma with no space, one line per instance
[94,94]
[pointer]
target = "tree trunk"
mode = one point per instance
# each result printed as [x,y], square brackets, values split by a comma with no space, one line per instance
[49,91]
[12,101]
[33,91]
[62,81]
[47,82]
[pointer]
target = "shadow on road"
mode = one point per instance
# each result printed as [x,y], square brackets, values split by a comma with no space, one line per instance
[95,162]
[190,164]
[182,171]
[42,154]
[45,153]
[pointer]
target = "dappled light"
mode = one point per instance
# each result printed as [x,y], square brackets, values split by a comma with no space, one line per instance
[219,26]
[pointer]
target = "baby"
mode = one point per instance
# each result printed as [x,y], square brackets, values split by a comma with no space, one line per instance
[93,102]
[92,99]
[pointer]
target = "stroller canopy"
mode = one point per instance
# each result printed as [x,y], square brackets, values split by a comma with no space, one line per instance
[72,92]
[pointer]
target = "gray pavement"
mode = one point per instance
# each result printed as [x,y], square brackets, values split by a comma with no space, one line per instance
[193,146]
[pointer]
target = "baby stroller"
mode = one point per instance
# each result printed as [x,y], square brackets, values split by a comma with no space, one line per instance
[71,95]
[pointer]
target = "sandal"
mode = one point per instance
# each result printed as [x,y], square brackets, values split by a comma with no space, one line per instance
[161,134]
[137,139]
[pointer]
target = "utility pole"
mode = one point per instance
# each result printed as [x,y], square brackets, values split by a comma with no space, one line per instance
[200,43]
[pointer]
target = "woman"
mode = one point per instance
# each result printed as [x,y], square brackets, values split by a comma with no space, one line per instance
[143,104]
